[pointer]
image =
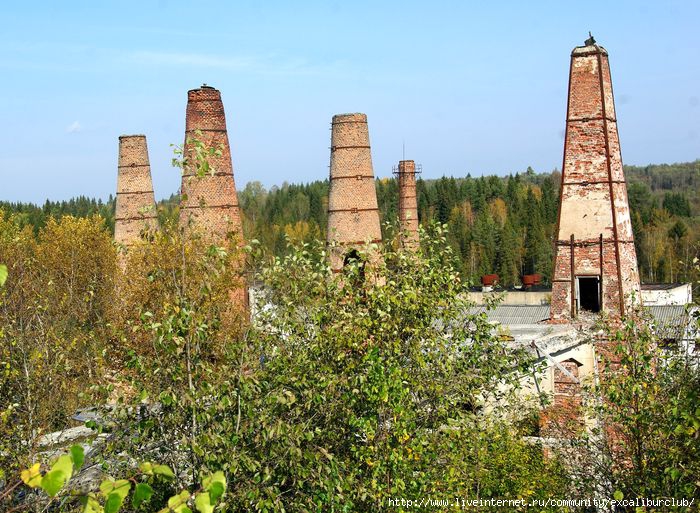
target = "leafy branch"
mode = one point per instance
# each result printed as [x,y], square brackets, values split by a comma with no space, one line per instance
[113,493]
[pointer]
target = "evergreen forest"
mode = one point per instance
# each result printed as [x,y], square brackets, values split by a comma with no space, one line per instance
[502,225]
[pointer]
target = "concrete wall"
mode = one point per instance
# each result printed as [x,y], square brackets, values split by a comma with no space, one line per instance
[679,295]
[513,298]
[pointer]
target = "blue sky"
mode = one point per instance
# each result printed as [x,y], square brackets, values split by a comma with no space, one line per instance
[469,87]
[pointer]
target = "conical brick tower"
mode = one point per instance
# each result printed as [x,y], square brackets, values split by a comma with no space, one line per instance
[353,213]
[595,264]
[209,202]
[136,206]
[408,204]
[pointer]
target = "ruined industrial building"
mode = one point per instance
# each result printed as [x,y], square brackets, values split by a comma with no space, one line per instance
[209,199]
[136,206]
[595,267]
[353,212]
[595,263]
[408,202]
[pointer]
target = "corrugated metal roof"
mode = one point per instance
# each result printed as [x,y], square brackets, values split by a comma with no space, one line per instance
[671,320]
[661,286]
[512,315]
[668,313]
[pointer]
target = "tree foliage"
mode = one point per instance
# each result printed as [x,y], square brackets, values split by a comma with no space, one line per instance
[659,196]
[646,408]
[343,394]
[53,320]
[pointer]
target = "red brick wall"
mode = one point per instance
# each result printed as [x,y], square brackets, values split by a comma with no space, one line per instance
[353,213]
[136,207]
[594,194]
[564,417]
[408,205]
[210,202]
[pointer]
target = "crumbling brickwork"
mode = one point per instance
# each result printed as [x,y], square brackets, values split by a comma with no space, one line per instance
[594,234]
[408,205]
[563,418]
[210,201]
[136,207]
[353,212]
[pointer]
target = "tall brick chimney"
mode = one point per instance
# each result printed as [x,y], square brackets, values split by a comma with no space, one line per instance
[408,204]
[353,213]
[595,264]
[209,202]
[136,206]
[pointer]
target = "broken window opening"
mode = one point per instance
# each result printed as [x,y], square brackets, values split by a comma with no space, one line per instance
[588,293]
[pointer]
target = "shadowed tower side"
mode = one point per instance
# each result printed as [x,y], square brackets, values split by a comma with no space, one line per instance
[353,213]
[408,204]
[209,202]
[595,264]
[136,206]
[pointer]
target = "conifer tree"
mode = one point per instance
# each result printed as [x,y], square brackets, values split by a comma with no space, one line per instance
[506,256]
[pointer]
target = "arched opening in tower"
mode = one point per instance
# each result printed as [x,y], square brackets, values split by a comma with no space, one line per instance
[353,260]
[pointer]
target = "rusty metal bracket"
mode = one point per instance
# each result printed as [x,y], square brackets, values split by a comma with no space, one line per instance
[366,147]
[354,210]
[134,192]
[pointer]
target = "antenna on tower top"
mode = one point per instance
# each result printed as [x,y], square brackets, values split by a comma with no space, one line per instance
[591,40]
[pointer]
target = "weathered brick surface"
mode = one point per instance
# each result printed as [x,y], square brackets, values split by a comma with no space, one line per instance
[353,213]
[136,207]
[564,417]
[593,198]
[408,204]
[209,202]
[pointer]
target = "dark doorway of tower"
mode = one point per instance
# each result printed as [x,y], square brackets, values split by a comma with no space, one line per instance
[353,261]
[588,293]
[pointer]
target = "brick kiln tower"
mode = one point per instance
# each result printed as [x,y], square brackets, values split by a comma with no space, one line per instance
[353,213]
[596,264]
[136,206]
[210,201]
[408,204]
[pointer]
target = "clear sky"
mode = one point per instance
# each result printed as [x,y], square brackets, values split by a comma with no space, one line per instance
[469,87]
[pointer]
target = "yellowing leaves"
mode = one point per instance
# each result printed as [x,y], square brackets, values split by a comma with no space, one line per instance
[32,476]
[499,211]
[301,231]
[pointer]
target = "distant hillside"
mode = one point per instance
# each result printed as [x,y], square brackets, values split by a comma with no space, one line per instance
[497,224]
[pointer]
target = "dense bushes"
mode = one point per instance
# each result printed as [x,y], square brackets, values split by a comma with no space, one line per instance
[53,326]
[339,396]
[343,394]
